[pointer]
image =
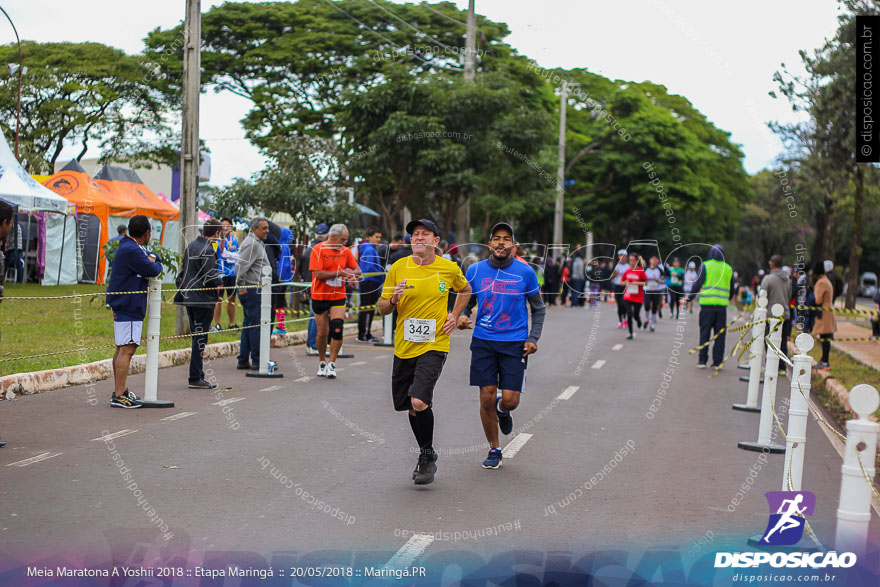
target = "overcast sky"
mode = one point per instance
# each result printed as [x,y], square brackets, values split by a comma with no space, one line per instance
[719,55]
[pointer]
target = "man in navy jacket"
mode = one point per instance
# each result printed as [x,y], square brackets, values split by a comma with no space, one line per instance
[371,287]
[133,265]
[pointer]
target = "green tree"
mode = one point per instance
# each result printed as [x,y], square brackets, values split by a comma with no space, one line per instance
[299,181]
[74,93]
[296,61]
[827,141]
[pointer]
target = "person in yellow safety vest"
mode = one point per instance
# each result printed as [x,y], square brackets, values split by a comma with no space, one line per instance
[715,286]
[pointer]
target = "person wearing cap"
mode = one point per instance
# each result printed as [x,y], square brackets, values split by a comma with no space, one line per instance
[418,288]
[305,275]
[332,264]
[504,292]
[619,289]
[715,286]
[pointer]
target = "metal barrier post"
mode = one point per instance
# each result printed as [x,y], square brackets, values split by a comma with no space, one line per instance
[151,369]
[756,349]
[798,410]
[854,511]
[267,366]
[768,398]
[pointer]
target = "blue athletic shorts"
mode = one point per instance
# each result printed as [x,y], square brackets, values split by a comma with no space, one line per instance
[498,363]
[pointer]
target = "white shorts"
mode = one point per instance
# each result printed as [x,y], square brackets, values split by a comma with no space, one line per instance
[128,332]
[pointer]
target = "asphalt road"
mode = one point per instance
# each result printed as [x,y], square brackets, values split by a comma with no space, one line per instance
[255,479]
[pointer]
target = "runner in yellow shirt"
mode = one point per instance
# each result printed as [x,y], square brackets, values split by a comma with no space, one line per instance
[418,288]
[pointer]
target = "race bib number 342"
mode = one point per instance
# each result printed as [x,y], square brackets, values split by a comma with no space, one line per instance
[419,329]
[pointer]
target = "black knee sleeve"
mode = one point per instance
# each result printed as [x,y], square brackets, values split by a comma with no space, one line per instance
[336,328]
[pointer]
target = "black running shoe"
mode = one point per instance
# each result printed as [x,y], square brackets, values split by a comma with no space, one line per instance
[202,384]
[425,469]
[123,401]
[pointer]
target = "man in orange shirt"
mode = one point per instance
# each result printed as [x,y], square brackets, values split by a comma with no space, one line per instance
[331,264]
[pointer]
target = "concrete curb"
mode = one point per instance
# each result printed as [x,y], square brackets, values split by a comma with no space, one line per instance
[52,379]
[838,391]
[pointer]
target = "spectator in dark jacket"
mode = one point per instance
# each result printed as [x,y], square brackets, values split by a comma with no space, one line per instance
[133,265]
[200,270]
[403,250]
[6,213]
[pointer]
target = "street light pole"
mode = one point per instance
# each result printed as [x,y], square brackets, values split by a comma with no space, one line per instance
[560,173]
[463,216]
[18,112]
[470,43]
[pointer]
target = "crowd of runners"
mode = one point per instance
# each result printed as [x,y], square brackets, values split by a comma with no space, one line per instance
[430,290]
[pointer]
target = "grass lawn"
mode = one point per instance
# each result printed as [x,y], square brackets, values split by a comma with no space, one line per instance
[34,327]
[848,372]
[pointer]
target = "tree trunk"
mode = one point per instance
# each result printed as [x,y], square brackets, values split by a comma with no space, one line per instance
[820,222]
[855,249]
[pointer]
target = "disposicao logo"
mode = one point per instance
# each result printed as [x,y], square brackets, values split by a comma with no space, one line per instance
[786,528]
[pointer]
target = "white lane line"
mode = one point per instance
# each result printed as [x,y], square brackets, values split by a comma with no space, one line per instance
[617,347]
[515,445]
[358,363]
[231,400]
[569,391]
[303,379]
[272,388]
[32,460]
[179,416]
[114,435]
[410,551]
[381,356]
[598,364]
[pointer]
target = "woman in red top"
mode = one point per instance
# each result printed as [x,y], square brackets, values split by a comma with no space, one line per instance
[566,279]
[634,279]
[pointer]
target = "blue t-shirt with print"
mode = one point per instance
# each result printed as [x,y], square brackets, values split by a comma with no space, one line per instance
[502,306]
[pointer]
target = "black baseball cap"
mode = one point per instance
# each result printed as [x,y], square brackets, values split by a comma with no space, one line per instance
[503,225]
[422,222]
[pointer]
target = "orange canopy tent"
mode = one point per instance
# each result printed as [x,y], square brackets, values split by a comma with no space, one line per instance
[93,211]
[127,191]
[114,194]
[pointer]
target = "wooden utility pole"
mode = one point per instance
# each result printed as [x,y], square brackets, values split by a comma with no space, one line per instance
[189,150]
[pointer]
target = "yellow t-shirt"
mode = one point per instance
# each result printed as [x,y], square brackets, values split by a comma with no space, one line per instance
[425,297]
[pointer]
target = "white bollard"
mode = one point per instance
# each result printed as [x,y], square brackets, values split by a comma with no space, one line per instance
[854,511]
[151,369]
[768,398]
[267,366]
[747,364]
[387,330]
[798,410]
[756,349]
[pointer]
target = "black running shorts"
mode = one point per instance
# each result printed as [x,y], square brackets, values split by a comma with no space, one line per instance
[415,377]
[321,306]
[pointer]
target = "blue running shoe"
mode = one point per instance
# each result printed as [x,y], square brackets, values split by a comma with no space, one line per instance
[505,420]
[493,461]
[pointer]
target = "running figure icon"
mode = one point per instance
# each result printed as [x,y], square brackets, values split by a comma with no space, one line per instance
[788,512]
[787,521]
